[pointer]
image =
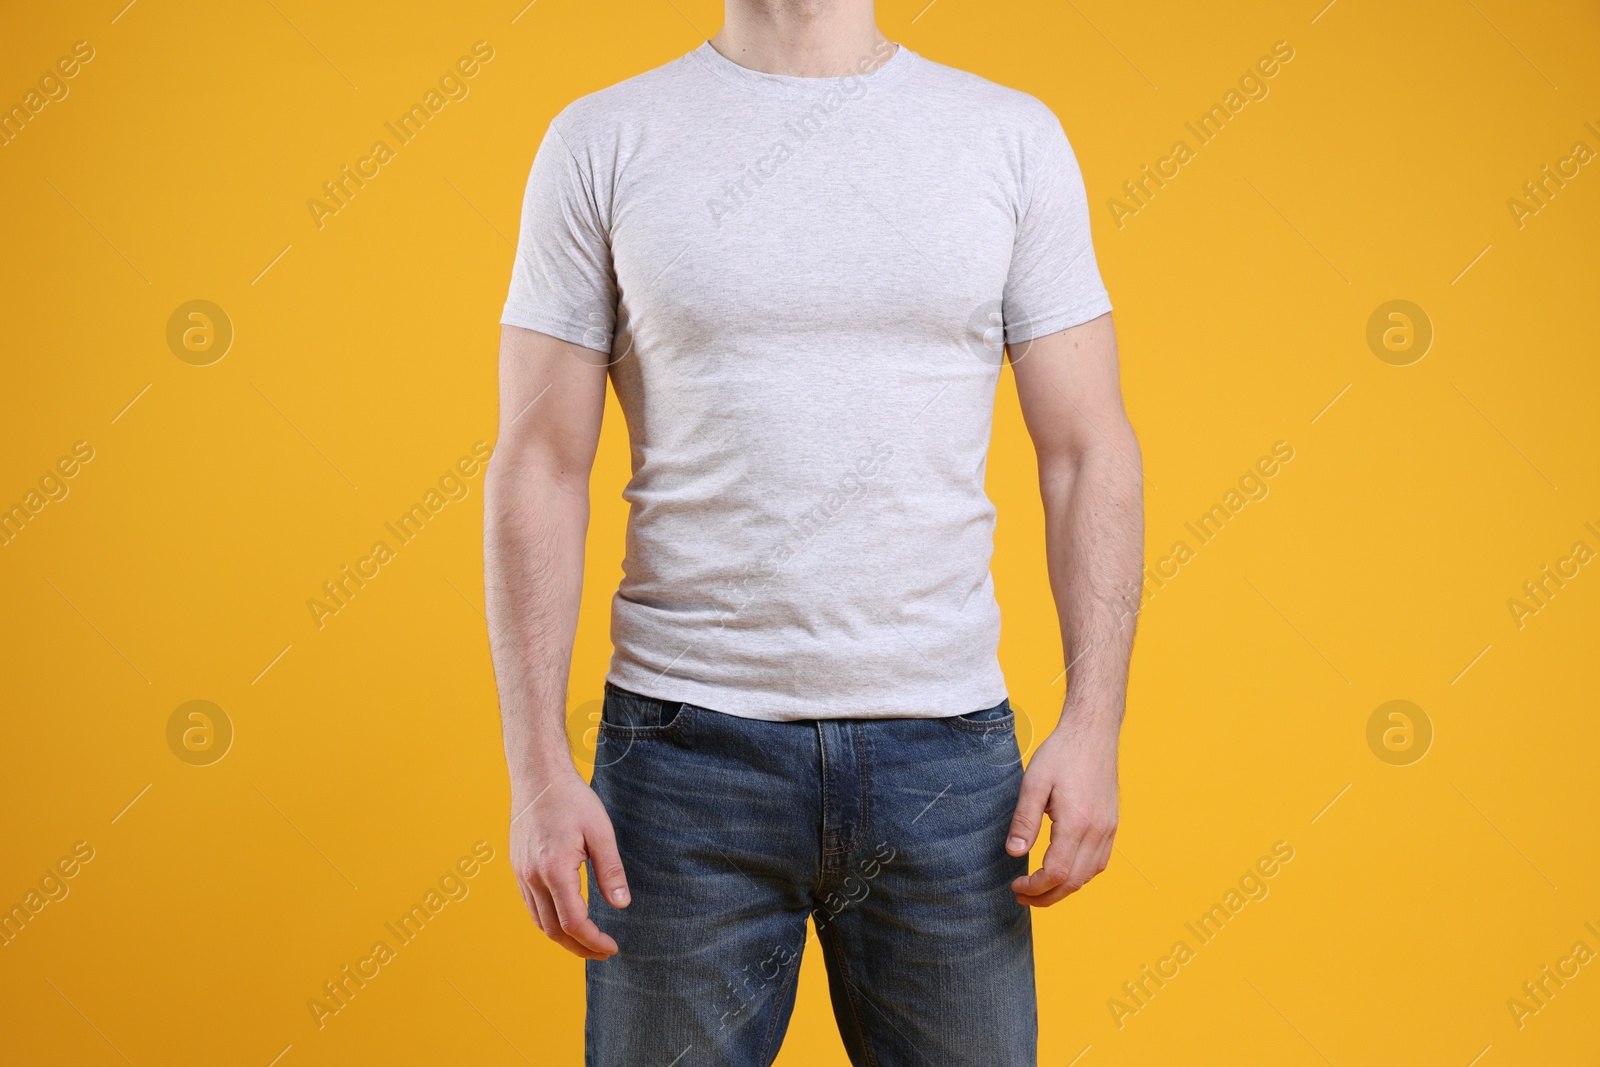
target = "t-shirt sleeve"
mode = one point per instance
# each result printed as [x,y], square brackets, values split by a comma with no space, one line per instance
[1054,281]
[562,282]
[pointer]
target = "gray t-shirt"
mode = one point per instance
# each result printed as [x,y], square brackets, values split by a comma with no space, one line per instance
[802,284]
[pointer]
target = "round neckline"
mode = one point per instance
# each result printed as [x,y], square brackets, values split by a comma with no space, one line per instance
[792,84]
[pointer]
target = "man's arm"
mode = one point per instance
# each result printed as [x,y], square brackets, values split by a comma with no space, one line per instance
[1091,482]
[536,513]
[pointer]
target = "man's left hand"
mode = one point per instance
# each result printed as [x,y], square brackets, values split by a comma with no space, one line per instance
[1073,777]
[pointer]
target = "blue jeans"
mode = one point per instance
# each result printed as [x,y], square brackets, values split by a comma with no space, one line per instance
[890,833]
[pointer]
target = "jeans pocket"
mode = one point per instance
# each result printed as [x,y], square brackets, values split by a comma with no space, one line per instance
[995,720]
[632,716]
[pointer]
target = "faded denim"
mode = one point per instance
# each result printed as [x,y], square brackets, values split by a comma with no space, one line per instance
[889,832]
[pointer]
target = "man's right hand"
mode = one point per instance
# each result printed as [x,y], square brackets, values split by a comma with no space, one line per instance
[553,833]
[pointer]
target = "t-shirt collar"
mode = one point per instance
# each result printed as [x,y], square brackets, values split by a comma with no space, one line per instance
[789,84]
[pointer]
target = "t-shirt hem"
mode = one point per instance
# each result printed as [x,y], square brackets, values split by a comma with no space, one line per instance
[571,332]
[1061,320]
[739,702]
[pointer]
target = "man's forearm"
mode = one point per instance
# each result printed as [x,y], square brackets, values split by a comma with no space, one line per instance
[1094,536]
[534,528]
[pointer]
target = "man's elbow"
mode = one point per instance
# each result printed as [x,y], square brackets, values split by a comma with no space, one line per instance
[524,468]
[1109,445]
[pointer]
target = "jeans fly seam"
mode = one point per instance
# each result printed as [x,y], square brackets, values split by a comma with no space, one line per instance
[861,788]
[861,794]
[822,750]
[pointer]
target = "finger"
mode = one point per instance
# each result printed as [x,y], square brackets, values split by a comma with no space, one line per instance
[1029,817]
[1091,857]
[550,923]
[527,900]
[1057,863]
[573,914]
[1102,856]
[545,909]
[1045,899]
[1088,861]
[606,863]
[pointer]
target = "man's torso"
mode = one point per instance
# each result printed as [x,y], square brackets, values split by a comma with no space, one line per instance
[809,276]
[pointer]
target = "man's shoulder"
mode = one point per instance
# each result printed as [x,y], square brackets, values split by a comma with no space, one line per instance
[999,104]
[635,98]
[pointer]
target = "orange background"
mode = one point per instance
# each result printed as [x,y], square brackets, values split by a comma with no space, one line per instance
[365,758]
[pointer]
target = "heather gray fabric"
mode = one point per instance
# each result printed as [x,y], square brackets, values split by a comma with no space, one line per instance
[800,285]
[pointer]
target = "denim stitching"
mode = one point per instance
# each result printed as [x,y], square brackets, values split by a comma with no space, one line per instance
[850,992]
[822,748]
[988,726]
[861,788]
[772,1023]
[678,724]
[861,783]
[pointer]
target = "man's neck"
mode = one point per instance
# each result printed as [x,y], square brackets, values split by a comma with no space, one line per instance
[803,38]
